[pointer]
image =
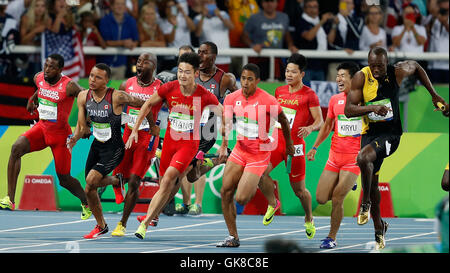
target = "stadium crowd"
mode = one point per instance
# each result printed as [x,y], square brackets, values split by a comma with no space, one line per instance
[398,25]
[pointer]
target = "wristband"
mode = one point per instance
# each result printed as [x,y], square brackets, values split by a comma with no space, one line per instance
[314,148]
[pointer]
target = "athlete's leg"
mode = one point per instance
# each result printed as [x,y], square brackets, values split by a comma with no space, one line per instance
[199,188]
[266,185]
[130,198]
[160,198]
[186,190]
[346,182]
[248,184]
[304,195]
[375,198]
[365,160]
[325,187]
[74,186]
[93,181]
[230,180]
[19,148]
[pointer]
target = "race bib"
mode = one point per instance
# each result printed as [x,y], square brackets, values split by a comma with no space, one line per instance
[132,118]
[47,110]
[377,118]
[247,127]
[349,126]
[298,150]
[102,131]
[181,122]
[290,114]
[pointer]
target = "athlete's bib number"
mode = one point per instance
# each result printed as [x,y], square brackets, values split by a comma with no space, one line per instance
[377,118]
[102,131]
[290,115]
[181,122]
[247,127]
[298,150]
[349,126]
[48,110]
[132,118]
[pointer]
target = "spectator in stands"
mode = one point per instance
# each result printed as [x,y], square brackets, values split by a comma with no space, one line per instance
[62,19]
[118,29]
[240,11]
[90,36]
[310,34]
[213,25]
[176,26]
[32,24]
[150,34]
[409,36]
[175,22]
[88,5]
[349,28]
[268,29]
[373,34]
[133,8]
[294,9]
[439,42]
[17,8]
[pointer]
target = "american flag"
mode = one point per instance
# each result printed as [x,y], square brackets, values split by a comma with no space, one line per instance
[67,45]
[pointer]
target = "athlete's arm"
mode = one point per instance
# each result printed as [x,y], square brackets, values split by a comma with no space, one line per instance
[354,106]
[324,132]
[33,103]
[408,68]
[316,113]
[73,89]
[286,129]
[121,98]
[228,84]
[81,129]
[218,110]
[144,112]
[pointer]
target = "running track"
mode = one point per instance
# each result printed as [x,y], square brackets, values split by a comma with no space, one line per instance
[62,232]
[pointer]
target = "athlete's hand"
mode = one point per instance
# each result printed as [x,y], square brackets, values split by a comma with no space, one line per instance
[311,155]
[439,102]
[223,154]
[154,131]
[290,149]
[304,131]
[31,106]
[133,137]
[381,110]
[71,141]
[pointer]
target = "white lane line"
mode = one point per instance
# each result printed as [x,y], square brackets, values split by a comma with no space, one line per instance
[99,238]
[46,225]
[245,239]
[387,240]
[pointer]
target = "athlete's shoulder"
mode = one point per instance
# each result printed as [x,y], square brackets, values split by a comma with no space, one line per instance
[263,95]
[131,80]
[281,89]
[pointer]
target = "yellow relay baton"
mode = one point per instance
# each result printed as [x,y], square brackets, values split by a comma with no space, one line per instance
[440,106]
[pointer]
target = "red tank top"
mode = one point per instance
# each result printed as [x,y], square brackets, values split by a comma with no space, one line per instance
[54,104]
[143,93]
